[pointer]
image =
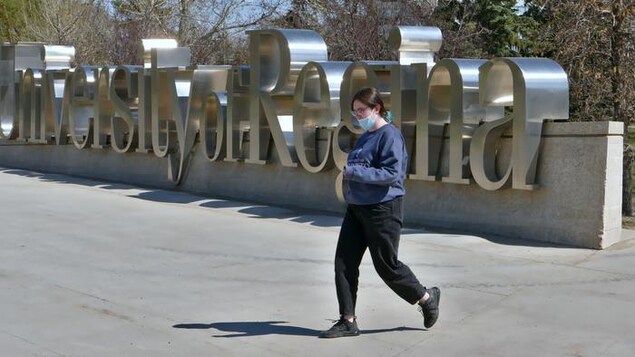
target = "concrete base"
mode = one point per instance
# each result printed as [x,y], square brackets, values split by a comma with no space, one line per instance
[578,202]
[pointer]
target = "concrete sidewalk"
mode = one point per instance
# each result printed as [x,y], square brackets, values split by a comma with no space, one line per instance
[91,268]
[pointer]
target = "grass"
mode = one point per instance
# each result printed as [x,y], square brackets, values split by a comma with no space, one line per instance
[628,222]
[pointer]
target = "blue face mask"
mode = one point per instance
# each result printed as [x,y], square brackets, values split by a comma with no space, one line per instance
[367,122]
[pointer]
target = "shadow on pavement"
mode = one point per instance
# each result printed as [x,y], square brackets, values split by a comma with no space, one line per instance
[254,328]
[61,178]
[260,328]
[320,219]
[259,211]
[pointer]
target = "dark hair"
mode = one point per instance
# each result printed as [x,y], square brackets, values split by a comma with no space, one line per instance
[370,97]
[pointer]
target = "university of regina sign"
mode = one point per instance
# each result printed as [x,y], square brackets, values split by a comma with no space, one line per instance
[289,104]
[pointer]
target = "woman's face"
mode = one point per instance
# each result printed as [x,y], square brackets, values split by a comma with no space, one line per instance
[361,110]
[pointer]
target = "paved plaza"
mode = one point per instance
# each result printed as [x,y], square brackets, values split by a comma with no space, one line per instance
[91,268]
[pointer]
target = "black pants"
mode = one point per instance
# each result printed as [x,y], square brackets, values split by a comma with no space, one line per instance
[376,227]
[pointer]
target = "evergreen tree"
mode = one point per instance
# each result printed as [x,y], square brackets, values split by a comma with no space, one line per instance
[485,29]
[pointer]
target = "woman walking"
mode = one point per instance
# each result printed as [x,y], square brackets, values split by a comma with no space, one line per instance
[375,173]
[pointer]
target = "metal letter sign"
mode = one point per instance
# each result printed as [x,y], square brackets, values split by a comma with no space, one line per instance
[292,99]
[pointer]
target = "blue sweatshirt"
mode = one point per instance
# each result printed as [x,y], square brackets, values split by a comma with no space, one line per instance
[376,167]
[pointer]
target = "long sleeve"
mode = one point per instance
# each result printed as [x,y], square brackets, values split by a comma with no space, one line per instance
[376,167]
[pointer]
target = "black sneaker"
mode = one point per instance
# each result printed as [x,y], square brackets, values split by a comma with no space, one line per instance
[430,308]
[342,328]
